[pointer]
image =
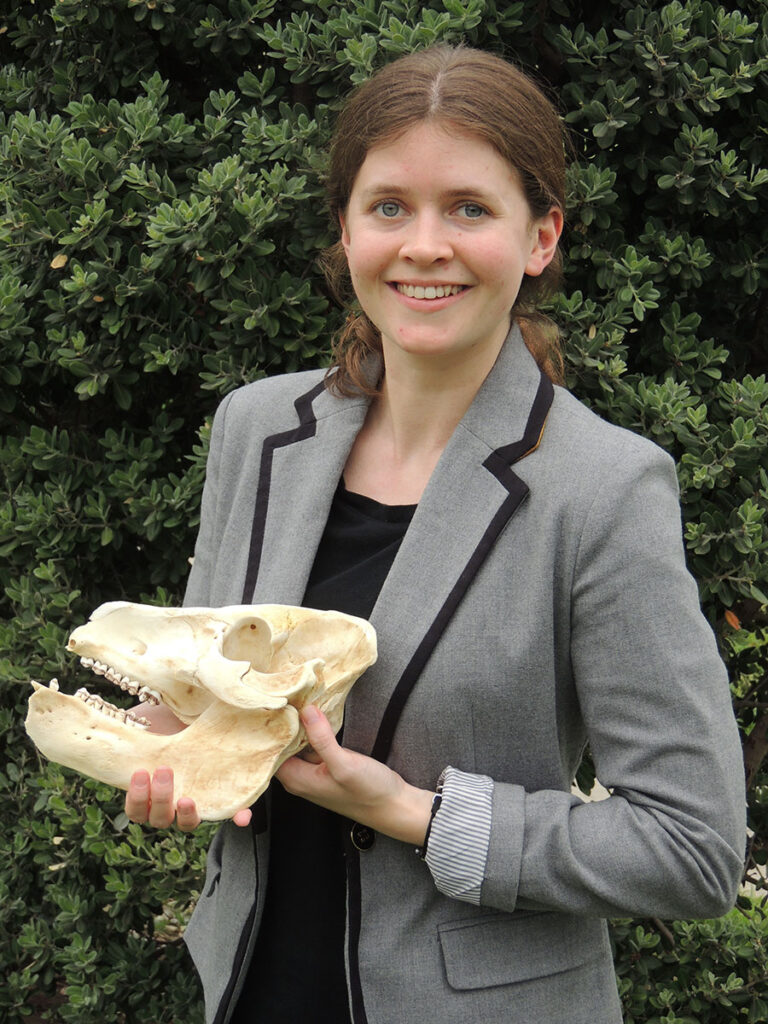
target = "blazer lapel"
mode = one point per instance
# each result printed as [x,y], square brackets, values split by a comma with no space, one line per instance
[299,472]
[470,498]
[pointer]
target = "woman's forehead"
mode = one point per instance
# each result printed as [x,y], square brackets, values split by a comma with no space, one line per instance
[450,158]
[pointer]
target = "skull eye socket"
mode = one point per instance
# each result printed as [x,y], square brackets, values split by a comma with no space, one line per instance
[250,640]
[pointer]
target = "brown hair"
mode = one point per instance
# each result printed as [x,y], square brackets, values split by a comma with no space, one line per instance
[481,95]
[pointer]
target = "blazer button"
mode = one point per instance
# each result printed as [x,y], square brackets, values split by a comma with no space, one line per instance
[362,837]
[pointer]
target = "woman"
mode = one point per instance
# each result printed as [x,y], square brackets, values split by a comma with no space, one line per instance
[522,563]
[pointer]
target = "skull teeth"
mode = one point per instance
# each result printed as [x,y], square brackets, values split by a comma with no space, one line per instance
[140,721]
[131,686]
[113,676]
[112,711]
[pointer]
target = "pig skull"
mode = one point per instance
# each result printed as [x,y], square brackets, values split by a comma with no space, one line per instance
[236,676]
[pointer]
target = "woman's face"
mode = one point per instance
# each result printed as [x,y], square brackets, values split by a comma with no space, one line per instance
[438,235]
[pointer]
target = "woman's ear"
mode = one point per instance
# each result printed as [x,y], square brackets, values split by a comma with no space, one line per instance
[344,234]
[546,233]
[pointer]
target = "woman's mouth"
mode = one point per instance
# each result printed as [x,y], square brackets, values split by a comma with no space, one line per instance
[436,291]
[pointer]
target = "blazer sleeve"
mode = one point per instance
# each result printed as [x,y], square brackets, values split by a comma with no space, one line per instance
[669,841]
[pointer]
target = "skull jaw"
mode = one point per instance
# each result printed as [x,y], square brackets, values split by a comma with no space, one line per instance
[244,748]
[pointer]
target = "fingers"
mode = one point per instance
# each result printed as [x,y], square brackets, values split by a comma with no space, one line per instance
[187,817]
[321,737]
[137,798]
[150,801]
[161,809]
[324,762]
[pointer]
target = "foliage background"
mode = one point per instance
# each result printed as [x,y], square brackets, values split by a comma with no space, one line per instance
[160,212]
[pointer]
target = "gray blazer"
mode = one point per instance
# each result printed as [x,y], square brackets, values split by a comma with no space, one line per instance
[539,600]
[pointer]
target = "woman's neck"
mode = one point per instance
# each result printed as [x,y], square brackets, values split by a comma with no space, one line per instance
[423,397]
[409,424]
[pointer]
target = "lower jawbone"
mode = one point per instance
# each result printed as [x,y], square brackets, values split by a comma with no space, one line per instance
[229,751]
[223,760]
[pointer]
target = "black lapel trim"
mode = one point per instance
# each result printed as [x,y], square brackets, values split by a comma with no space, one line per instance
[499,463]
[306,428]
[242,948]
[354,915]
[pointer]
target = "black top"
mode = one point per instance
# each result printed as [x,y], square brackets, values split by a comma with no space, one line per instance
[297,971]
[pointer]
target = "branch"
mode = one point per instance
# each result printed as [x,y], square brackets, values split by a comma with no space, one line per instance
[755,748]
[665,932]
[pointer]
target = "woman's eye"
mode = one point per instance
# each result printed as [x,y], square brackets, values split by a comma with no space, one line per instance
[389,208]
[473,211]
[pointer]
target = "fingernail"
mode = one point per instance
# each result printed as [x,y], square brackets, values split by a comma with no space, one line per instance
[185,806]
[140,779]
[164,775]
[310,714]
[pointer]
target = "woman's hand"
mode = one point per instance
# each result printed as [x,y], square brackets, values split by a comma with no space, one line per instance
[355,785]
[150,800]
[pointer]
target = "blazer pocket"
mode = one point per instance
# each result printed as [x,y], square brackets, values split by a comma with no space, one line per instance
[500,950]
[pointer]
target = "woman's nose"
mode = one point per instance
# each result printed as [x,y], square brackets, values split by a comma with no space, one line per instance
[426,240]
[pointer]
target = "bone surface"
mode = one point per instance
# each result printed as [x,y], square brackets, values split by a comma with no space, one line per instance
[236,676]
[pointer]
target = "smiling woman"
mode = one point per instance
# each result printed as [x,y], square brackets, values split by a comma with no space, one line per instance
[521,561]
[480,99]
[438,236]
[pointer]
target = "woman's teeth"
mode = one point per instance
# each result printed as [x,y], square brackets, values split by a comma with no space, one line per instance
[437,291]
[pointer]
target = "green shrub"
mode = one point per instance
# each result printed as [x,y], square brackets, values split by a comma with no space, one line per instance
[161,184]
[693,972]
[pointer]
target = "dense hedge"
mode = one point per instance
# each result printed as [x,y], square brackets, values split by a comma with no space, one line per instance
[160,176]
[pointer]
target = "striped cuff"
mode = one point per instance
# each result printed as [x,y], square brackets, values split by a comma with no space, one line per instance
[461,835]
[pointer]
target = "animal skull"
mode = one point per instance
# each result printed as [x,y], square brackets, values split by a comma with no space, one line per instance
[236,676]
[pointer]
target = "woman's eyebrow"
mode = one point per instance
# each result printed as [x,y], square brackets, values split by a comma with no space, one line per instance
[468,192]
[377,191]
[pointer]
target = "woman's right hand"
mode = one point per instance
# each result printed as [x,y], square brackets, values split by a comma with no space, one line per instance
[150,800]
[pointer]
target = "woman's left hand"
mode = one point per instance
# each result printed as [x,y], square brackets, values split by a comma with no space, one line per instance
[354,785]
